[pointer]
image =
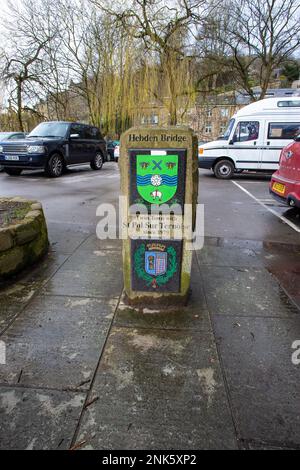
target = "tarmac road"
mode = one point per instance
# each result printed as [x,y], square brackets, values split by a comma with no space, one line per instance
[82,370]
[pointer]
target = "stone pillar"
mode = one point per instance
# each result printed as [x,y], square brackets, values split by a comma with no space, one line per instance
[159,185]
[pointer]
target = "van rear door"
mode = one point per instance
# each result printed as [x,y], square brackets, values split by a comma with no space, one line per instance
[245,146]
[277,136]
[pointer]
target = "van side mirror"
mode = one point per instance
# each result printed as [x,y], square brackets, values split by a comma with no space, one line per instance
[230,142]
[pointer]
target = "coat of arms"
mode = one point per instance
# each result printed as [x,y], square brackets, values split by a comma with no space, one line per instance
[155,263]
[156,177]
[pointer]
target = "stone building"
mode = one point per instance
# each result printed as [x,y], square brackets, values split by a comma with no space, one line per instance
[209,116]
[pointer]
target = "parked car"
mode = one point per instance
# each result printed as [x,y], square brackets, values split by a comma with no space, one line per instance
[11,136]
[111,145]
[53,146]
[117,153]
[254,138]
[285,182]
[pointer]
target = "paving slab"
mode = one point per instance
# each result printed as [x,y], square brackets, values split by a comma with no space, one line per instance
[57,342]
[158,389]
[13,300]
[245,291]
[66,238]
[233,243]
[38,419]
[95,244]
[228,256]
[84,282]
[290,282]
[195,316]
[89,274]
[262,446]
[15,295]
[108,262]
[263,383]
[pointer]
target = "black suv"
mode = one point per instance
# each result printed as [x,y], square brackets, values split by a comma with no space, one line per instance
[53,146]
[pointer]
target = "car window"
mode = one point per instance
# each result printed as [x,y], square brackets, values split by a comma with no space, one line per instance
[91,133]
[4,136]
[96,133]
[16,136]
[287,130]
[50,129]
[289,104]
[78,129]
[246,130]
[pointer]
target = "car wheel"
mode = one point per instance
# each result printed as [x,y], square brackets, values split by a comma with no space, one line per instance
[55,166]
[224,169]
[13,171]
[97,162]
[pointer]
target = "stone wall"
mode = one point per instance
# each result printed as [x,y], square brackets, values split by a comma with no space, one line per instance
[24,242]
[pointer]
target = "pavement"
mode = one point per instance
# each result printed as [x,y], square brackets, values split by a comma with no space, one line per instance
[83,371]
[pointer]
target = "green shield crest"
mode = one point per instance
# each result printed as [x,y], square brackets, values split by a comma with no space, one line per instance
[157,177]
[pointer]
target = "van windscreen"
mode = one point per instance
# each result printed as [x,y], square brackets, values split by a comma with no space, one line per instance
[228,130]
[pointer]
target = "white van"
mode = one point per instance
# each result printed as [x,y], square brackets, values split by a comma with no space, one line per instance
[254,138]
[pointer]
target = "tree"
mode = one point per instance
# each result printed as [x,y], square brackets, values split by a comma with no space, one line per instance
[23,66]
[291,70]
[254,38]
[165,30]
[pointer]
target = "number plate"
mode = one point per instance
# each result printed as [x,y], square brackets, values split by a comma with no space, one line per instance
[279,188]
[14,158]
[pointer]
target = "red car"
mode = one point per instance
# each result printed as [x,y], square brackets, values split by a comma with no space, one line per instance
[285,183]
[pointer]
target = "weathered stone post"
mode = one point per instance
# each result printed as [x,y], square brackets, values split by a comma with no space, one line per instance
[159,185]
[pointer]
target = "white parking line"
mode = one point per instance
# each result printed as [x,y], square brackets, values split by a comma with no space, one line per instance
[281,217]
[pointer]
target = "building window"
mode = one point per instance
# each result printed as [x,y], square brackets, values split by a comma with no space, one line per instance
[222,129]
[209,113]
[152,119]
[208,129]
[224,112]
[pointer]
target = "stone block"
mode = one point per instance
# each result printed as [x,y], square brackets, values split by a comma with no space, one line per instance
[11,260]
[6,240]
[27,231]
[159,166]
[24,243]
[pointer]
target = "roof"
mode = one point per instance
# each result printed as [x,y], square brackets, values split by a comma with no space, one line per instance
[244,98]
[270,105]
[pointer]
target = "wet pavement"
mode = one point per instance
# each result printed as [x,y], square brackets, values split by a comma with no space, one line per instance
[84,370]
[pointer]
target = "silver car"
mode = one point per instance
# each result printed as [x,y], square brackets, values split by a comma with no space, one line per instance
[11,136]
